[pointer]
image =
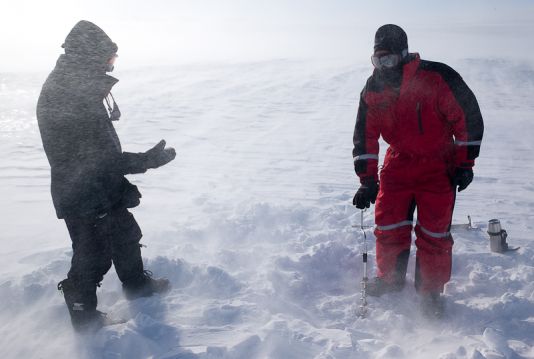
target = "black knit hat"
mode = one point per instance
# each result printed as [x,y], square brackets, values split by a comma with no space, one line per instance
[88,40]
[391,38]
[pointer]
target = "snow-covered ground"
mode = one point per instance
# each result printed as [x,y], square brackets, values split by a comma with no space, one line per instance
[252,223]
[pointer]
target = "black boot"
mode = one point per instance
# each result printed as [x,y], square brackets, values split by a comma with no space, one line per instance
[432,305]
[379,286]
[145,286]
[81,302]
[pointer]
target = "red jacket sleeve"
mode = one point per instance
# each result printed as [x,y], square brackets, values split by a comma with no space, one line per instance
[365,139]
[460,108]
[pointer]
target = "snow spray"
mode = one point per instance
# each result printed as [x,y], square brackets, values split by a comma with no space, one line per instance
[498,237]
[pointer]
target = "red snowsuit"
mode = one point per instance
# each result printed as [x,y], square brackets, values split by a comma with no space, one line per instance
[432,125]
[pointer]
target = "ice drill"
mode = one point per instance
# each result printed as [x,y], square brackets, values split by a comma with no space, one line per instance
[365,279]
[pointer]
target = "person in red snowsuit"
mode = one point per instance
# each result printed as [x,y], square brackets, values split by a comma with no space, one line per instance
[433,125]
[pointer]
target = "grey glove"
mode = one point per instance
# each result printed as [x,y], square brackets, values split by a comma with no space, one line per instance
[158,155]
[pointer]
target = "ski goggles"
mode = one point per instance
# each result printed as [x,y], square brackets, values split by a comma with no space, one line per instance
[385,61]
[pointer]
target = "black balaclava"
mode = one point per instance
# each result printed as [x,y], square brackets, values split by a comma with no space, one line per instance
[393,39]
[88,45]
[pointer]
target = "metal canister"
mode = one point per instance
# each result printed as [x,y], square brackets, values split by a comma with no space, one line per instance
[497,236]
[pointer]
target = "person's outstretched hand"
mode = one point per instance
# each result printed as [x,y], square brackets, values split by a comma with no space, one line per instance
[158,155]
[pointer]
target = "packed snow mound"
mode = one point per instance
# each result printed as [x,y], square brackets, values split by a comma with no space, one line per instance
[254,227]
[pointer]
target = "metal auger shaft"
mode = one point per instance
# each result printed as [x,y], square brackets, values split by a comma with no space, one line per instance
[365,279]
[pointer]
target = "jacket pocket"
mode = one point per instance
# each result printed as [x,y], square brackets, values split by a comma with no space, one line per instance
[130,196]
[419,117]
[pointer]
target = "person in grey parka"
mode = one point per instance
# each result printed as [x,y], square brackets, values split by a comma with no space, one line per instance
[75,113]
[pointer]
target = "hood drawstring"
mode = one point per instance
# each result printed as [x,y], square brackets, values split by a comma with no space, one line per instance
[113,111]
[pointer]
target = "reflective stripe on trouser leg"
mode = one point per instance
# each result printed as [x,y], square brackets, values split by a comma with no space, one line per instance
[433,234]
[389,227]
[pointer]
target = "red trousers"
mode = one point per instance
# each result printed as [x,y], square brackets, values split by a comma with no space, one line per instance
[407,183]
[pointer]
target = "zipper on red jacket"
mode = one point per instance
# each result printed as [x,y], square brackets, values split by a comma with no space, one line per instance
[419,118]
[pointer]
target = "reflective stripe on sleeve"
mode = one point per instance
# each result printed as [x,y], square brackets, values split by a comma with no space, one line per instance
[468,143]
[433,234]
[366,156]
[389,227]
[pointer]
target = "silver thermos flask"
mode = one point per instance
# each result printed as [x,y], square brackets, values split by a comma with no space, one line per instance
[497,236]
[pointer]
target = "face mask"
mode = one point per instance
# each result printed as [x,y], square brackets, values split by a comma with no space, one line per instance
[109,67]
[390,76]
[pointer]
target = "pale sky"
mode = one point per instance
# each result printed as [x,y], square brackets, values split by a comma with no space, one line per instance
[150,33]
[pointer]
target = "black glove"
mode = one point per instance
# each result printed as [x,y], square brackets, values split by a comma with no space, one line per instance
[462,178]
[158,155]
[366,194]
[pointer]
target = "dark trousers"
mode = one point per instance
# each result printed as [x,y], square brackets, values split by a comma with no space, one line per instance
[96,244]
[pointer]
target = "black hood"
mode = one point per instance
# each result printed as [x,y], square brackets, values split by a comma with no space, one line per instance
[89,42]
